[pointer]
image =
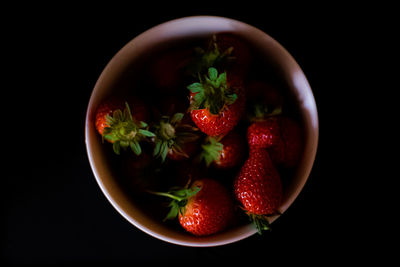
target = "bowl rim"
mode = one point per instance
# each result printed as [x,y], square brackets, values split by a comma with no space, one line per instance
[249,230]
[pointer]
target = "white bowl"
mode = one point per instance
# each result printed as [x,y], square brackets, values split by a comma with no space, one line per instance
[198,26]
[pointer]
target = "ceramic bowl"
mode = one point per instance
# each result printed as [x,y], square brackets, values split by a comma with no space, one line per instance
[181,29]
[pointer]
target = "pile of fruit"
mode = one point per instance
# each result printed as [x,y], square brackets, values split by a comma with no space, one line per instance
[206,132]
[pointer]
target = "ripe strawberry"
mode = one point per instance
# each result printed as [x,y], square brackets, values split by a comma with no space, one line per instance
[204,209]
[264,133]
[217,103]
[281,136]
[174,138]
[287,153]
[258,187]
[223,154]
[120,127]
[139,112]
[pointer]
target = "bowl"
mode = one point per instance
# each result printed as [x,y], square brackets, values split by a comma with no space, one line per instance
[131,56]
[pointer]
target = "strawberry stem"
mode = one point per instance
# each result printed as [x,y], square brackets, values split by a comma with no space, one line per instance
[166,194]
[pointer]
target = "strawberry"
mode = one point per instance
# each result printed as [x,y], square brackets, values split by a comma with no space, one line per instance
[174,138]
[120,127]
[281,136]
[258,188]
[264,133]
[203,209]
[216,103]
[287,153]
[225,153]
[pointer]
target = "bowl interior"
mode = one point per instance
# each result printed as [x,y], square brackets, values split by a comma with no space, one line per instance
[127,62]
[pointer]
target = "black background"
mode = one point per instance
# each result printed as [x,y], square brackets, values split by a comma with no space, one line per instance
[54,211]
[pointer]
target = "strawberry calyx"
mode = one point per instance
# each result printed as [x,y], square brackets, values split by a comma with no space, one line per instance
[210,57]
[211,92]
[124,131]
[172,134]
[180,197]
[212,150]
[261,220]
[261,112]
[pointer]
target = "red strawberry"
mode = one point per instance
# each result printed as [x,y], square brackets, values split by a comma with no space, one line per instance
[174,138]
[106,108]
[223,154]
[138,109]
[281,136]
[120,126]
[264,133]
[258,187]
[204,209]
[287,152]
[217,103]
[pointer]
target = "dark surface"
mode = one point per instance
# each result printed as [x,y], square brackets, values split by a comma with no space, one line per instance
[53,210]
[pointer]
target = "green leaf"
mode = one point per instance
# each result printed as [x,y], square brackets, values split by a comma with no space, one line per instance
[157,147]
[117,115]
[211,151]
[146,133]
[107,130]
[179,198]
[195,87]
[212,73]
[116,147]
[110,137]
[164,151]
[142,124]
[231,98]
[124,144]
[127,111]
[109,119]
[260,221]
[136,147]
[177,118]
[221,80]
[200,98]
[174,211]
[192,191]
